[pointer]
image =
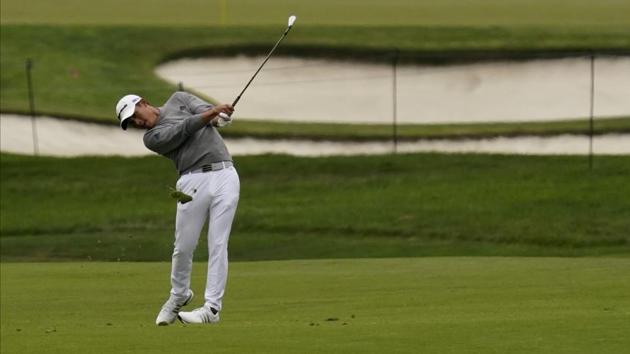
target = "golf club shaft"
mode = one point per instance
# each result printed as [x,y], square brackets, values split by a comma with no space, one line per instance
[261,65]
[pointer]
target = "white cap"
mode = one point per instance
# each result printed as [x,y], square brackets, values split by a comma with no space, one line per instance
[125,108]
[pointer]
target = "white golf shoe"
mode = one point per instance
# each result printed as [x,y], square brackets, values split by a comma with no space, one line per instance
[199,315]
[170,309]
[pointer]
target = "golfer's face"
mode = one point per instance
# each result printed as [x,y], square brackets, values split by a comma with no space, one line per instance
[143,117]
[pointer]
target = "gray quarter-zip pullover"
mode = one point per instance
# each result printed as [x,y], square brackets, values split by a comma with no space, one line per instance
[181,135]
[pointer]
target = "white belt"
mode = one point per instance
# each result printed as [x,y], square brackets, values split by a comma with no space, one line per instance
[215,166]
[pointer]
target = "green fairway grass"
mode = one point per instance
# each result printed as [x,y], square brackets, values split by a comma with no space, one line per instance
[428,305]
[112,208]
[85,59]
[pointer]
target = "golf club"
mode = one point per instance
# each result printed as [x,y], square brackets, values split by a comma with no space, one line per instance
[292,19]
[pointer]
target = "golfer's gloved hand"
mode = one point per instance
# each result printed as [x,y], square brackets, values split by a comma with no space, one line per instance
[223,115]
[223,120]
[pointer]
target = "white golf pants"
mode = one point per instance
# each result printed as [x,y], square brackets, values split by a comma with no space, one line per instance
[215,196]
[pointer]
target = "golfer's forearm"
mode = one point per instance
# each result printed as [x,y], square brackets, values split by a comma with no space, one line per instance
[208,117]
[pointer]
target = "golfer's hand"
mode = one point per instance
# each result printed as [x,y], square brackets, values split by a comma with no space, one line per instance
[222,108]
[221,115]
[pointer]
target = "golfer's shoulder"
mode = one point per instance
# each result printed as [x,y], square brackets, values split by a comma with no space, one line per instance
[179,97]
[176,98]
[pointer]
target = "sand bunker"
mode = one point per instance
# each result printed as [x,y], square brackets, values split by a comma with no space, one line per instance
[70,138]
[332,91]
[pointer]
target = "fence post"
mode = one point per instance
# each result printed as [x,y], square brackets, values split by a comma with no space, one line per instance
[31,100]
[592,113]
[395,99]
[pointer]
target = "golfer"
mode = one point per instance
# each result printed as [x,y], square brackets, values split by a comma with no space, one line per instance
[184,130]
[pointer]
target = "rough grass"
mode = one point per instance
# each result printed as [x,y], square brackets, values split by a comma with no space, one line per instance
[412,132]
[432,305]
[382,206]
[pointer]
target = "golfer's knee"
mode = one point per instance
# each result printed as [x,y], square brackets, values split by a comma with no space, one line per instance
[184,250]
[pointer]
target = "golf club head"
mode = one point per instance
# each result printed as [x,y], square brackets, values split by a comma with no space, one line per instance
[292,19]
